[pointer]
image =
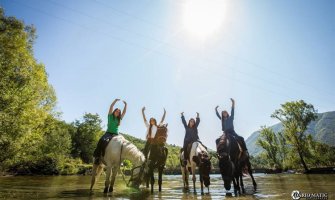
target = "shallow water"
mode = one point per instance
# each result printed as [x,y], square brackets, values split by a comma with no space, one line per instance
[270,186]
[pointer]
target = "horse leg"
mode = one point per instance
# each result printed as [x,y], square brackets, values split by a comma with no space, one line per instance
[147,181]
[252,177]
[183,176]
[160,173]
[152,181]
[151,177]
[201,184]
[114,173]
[186,178]
[108,176]
[238,184]
[94,176]
[96,171]
[235,186]
[193,179]
[241,183]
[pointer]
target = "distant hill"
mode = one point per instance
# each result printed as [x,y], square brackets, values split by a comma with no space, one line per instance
[322,129]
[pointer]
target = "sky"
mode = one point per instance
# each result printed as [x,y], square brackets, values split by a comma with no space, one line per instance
[184,56]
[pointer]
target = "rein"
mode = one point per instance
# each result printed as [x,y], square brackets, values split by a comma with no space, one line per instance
[132,170]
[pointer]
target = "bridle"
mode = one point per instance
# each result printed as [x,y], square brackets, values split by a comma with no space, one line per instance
[132,171]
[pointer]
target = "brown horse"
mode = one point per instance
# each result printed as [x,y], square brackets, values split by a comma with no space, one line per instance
[157,158]
[232,162]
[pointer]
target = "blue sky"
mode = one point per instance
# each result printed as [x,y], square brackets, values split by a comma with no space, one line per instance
[262,53]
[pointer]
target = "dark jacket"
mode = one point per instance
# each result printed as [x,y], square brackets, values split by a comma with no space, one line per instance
[191,134]
[227,123]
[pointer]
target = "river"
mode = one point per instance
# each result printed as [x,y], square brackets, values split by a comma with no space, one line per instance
[270,186]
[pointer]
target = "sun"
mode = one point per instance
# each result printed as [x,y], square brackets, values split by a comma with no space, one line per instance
[202,18]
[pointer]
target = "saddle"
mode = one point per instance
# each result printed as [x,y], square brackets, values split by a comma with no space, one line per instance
[102,144]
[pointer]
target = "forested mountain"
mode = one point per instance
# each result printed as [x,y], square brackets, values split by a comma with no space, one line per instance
[322,129]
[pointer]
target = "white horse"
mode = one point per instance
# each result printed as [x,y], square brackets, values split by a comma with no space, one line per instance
[116,151]
[199,157]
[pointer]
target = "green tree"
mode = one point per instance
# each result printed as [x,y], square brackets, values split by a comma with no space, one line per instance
[86,136]
[269,142]
[295,117]
[26,97]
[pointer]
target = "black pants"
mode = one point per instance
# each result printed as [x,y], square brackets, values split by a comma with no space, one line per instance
[102,144]
[240,139]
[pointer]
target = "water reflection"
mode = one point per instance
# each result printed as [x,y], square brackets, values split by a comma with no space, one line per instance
[277,186]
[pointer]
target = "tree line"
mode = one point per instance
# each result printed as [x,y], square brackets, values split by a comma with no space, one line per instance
[33,137]
[293,147]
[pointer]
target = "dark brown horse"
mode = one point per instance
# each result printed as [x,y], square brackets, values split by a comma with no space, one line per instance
[232,162]
[157,158]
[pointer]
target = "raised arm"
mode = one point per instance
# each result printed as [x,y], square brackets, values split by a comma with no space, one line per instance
[217,112]
[144,118]
[162,120]
[183,120]
[197,120]
[232,108]
[111,108]
[124,109]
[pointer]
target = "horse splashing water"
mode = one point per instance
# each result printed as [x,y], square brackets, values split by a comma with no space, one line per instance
[116,151]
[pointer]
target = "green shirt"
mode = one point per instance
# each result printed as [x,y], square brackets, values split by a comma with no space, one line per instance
[113,125]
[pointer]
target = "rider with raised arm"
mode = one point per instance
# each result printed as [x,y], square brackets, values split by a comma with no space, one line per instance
[151,130]
[227,122]
[114,120]
[191,134]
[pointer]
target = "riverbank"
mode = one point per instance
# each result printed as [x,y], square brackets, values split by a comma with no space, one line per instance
[86,170]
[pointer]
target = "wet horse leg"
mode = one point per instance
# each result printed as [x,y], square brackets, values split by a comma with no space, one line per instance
[194,179]
[252,177]
[152,179]
[202,184]
[235,186]
[108,176]
[97,169]
[160,173]
[241,183]
[186,177]
[114,173]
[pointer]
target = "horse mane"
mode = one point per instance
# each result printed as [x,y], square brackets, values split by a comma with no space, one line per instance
[132,152]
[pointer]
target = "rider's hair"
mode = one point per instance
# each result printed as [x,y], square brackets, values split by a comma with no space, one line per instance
[222,114]
[118,117]
[150,126]
[190,121]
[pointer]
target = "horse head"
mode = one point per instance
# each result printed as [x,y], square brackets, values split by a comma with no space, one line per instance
[137,175]
[205,167]
[225,163]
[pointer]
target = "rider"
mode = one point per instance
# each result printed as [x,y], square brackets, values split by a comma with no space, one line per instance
[191,134]
[228,124]
[114,120]
[151,130]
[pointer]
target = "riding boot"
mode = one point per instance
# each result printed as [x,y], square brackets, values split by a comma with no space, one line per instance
[146,150]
